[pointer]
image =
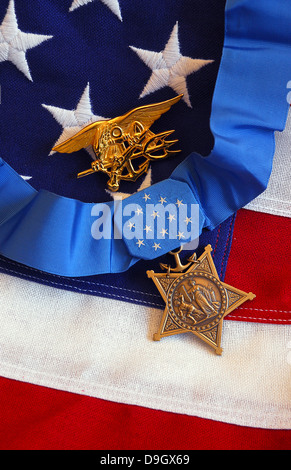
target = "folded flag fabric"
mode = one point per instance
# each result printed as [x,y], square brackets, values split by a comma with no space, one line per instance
[78,314]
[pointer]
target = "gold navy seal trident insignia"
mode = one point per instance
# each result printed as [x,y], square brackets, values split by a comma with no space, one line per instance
[124,146]
[196,300]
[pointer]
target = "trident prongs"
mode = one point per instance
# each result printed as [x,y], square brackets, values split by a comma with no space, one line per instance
[152,146]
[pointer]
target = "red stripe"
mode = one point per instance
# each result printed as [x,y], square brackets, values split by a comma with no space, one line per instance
[38,418]
[260,262]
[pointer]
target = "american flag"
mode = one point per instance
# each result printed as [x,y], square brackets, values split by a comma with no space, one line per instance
[78,366]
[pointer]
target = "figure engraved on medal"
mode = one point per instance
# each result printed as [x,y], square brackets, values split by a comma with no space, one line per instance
[196,299]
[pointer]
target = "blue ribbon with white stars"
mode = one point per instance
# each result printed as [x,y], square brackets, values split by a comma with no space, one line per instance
[74,239]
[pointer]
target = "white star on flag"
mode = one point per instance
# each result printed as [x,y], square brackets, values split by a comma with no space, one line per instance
[112,4]
[73,121]
[14,43]
[26,178]
[169,67]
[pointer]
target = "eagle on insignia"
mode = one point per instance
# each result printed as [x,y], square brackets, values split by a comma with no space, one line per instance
[124,146]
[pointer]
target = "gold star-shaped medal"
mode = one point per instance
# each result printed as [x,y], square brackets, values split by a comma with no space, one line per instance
[197,301]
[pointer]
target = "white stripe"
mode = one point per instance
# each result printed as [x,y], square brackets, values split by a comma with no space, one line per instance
[276,199]
[103,348]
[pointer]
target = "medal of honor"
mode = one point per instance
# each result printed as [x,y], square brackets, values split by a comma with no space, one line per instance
[197,301]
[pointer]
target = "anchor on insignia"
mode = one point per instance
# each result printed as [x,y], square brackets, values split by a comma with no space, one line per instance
[124,146]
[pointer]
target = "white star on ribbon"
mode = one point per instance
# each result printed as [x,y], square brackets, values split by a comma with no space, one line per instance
[14,43]
[73,121]
[157,246]
[112,4]
[139,211]
[155,214]
[148,228]
[164,232]
[170,67]
[179,203]
[163,200]
[131,226]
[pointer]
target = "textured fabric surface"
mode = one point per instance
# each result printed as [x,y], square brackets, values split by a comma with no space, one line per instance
[261,261]
[39,418]
[277,197]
